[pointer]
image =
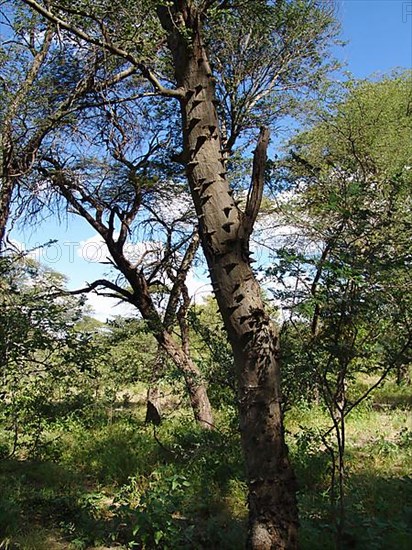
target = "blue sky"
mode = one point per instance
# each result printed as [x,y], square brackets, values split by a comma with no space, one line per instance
[379,36]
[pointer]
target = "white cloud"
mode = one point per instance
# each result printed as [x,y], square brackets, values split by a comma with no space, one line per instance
[94,250]
[199,287]
[104,308]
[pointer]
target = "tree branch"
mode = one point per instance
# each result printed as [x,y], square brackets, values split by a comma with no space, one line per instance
[128,296]
[180,280]
[300,160]
[255,194]
[106,45]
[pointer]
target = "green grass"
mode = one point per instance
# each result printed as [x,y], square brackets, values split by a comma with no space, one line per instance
[110,481]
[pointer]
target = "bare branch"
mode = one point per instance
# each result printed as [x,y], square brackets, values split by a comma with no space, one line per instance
[180,280]
[120,292]
[255,193]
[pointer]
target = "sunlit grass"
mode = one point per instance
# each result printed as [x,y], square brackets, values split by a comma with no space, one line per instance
[99,474]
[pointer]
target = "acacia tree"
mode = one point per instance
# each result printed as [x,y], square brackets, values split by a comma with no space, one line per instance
[229,67]
[147,229]
[51,87]
[349,264]
[40,92]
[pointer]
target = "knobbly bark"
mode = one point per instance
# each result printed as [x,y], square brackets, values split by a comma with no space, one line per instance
[225,231]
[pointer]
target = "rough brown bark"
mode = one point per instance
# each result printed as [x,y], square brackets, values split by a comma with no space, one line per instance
[225,232]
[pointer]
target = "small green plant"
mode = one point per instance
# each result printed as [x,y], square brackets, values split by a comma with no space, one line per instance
[151,509]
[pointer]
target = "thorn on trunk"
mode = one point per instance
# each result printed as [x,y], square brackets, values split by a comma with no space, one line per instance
[206,185]
[232,309]
[204,199]
[193,122]
[229,267]
[227,211]
[226,226]
[180,158]
[200,141]
[196,103]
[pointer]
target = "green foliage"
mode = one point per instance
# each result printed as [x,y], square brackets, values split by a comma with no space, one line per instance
[102,476]
[131,350]
[351,307]
[47,367]
[260,47]
[344,275]
[149,510]
[377,485]
[213,352]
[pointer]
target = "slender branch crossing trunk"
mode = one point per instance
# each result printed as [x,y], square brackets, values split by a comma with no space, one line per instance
[225,232]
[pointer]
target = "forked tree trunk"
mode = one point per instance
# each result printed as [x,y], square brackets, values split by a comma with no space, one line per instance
[196,388]
[139,296]
[225,232]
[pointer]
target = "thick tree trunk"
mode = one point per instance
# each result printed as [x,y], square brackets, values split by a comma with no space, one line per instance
[272,503]
[225,232]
